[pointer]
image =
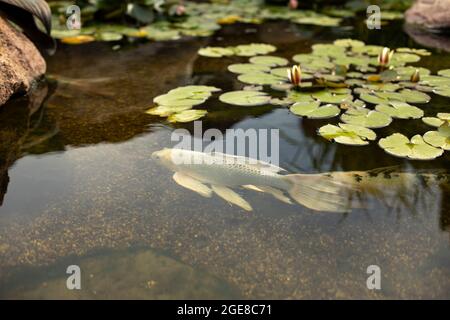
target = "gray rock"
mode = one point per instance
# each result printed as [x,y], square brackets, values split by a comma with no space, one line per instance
[21,64]
[431,14]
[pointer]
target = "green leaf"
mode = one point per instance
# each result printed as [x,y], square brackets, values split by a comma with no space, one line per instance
[245,98]
[439,138]
[216,52]
[400,110]
[416,148]
[241,68]
[187,116]
[270,61]
[366,118]
[331,97]
[260,78]
[313,110]
[347,134]
[253,49]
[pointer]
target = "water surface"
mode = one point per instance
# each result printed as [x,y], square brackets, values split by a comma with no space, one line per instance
[78,186]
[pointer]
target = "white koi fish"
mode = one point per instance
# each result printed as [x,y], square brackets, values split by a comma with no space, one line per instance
[208,173]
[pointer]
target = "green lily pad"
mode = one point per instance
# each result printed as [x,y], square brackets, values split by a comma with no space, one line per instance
[441,119]
[444,73]
[445,91]
[109,36]
[270,61]
[413,96]
[417,149]
[366,118]
[184,96]
[216,52]
[245,98]
[165,111]
[372,98]
[331,97]
[260,78]
[253,49]
[299,96]
[313,110]
[187,115]
[400,110]
[347,134]
[241,68]
[349,43]
[439,138]
[420,52]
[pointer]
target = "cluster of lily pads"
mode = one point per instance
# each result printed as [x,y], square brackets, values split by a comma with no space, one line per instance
[177,105]
[367,86]
[196,19]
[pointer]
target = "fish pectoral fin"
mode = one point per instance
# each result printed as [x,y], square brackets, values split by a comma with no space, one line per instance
[192,184]
[232,197]
[252,187]
[278,194]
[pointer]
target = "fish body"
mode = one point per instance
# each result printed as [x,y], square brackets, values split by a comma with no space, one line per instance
[208,173]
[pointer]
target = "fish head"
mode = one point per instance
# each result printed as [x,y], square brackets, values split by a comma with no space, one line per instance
[169,158]
[163,155]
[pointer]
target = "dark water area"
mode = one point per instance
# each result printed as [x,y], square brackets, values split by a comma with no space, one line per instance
[78,186]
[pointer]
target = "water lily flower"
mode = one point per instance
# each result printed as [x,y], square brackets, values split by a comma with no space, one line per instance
[180,10]
[295,75]
[415,77]
[293,4]
[385,57]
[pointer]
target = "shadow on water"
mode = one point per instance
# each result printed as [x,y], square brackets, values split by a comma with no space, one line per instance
[81,188]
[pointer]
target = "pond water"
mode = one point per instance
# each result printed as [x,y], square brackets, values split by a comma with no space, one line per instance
[78,186]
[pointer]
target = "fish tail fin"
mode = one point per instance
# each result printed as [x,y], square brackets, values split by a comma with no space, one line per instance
[318,192]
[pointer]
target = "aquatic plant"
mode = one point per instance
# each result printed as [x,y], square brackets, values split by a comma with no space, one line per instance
[166,20]
[177,104]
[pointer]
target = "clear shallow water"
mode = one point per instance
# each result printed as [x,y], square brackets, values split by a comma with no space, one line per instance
[81,188]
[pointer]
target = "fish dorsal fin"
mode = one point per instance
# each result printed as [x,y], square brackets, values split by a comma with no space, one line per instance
[248,161]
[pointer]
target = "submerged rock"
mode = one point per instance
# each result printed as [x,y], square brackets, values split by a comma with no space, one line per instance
[20,62]
[431,14]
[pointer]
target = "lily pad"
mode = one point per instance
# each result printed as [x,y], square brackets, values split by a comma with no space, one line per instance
[417,149]
[366,118]
[184,96]
[400,110]
[414,96]
[241,68]
[187,115]
[444,73]
[349,43]
[441,119]
[260,78]
[253,49]
[347,134]
[270,61]
[165,111]
[372,98]
[439,138]
[313,110]
[245,98]
[216,52]
[331,97]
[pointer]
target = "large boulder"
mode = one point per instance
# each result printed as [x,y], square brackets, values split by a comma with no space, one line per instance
[431,14]
[21,64]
